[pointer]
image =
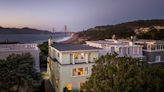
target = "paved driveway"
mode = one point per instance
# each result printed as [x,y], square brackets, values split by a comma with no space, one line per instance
[48,86]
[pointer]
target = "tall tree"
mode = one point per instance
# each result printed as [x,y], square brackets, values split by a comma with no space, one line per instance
[121,74]
[43,54]
[17,73]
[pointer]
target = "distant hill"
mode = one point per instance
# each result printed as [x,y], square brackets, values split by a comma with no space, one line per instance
[24,30]
[123,30]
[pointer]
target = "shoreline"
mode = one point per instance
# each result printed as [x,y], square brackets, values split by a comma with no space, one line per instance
[75,39]
[72,39]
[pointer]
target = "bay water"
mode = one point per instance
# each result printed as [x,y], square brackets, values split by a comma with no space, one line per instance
[33,38]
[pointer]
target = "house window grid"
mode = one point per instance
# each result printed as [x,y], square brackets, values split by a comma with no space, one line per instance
[79,56]
[74,72]
[84,74]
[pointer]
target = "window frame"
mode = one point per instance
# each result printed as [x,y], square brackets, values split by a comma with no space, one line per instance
[83,68]
[82,56]
[82,71]
[87,71]
[73,72]
[75,53]
[158,58]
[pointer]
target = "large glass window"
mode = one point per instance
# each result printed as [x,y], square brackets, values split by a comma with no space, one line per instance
[86,71]
[82,56]
[74,72]
[158,58]
[75,55]
[80,71]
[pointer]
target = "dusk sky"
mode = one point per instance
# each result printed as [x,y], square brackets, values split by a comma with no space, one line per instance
[76,14]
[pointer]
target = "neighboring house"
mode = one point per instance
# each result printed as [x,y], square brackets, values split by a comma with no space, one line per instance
[8,49]
[147,29]
[70,65]
[121,47]
[153,50]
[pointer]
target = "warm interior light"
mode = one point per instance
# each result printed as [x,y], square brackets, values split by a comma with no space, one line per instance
[86,71]
[74,71]
[82,55]
[80,71]
[69,86]
[75,55]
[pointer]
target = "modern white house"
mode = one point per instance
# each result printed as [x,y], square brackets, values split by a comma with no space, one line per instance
[69,65]
[7,49]
[121,47]
[153,50]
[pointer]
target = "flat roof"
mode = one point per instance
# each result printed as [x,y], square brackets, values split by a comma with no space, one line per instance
[109,42]
[18,47]
[69,47]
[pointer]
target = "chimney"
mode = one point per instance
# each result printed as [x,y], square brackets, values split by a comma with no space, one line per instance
[50,41]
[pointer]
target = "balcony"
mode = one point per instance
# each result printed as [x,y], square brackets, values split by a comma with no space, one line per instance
[78,61]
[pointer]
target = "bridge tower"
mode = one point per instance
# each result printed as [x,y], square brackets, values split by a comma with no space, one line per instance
[53,30]
[65,29]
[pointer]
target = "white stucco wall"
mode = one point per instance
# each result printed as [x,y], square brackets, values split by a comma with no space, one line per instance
[34,53]
[65,58]
[66,76]
[61,70]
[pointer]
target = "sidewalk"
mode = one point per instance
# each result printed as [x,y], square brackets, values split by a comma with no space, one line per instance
[48,86]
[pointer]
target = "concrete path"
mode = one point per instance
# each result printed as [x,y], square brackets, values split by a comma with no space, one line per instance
[48,86]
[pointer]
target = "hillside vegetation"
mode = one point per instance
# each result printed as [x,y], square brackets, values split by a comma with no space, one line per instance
[24,30]
[123,30]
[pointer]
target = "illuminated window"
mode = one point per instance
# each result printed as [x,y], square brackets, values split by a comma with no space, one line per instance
[69,86]
[80,71]
[74,72]
[75,55]
[86,71]
[82,56]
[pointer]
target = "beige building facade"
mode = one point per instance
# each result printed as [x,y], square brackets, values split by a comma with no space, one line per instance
[70,65]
